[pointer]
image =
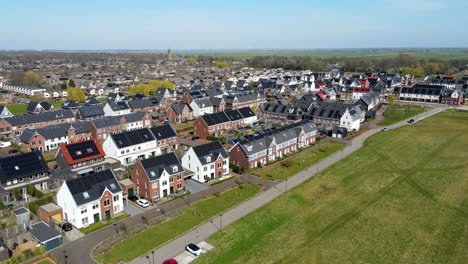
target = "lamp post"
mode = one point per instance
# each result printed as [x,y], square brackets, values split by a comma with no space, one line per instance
[152,253]
[149,261]
[286,186]
[220,222]
[116,229]
[65,256]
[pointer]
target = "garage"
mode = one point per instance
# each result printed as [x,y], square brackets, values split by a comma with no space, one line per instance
[45,235]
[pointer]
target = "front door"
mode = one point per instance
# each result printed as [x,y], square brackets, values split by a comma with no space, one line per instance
[164,193]
[96,218]
[212,175]
[171,190]
[130,191]
[108,214]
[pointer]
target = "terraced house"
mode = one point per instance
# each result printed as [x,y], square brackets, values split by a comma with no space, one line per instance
[208,161]
[259,150]
[218,123]
[49,138]
[102,127]
[15,125]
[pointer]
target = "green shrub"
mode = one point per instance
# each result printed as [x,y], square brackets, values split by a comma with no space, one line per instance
[35,204]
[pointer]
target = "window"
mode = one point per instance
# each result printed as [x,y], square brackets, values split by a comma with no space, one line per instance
[179,177]
[164,183]
[171,179]
[116,208]
[174,169]
[84,210]
[179,186]
[116,198]
[84,221]
[95,206]
[106,202]
[155,193]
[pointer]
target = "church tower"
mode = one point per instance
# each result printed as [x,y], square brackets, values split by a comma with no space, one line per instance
[169,54]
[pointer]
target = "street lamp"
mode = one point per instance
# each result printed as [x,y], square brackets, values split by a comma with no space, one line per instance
[220,222]
[116,229]
[152,253]
[286,186]
[149,261]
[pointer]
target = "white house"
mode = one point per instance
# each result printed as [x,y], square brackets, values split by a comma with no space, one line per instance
[350,120]
[116,109]
[90,199]
[201,107]
[208,161]
[4,112]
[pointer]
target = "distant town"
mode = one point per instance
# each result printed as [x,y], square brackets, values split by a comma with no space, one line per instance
[99,149]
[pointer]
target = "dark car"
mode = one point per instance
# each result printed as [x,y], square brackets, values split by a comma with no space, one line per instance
[170,261]
[133,198]
[411,121]
[195,138]
[67,227]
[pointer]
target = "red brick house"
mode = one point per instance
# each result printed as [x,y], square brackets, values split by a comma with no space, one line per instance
[102,127]
[158,177]
[451,97]
[179,113]
[218,123]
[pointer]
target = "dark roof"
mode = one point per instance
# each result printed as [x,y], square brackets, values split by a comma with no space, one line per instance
[163,132]
[141,103]
[115,120]
[91,111]
[215,118]
[246,112]
[117,106]
[32,106]
[234,115]
[89,188]
[82,151]
[22,165]
[211,150]
[40,117]
[178,108]
[91,101]
[70,104]
[20,210]
[42,232]
[155,166]
[424,89]
[56,131]
[134,137]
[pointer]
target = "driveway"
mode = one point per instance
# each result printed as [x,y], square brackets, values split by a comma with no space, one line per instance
[72,235]
[132,209]
[193,186]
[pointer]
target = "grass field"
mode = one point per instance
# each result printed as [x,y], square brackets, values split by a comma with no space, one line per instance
[298,163]
[45,261]
[19,109]
[192,216]
[403,198]
[444,54]
[100,225]
[397,113]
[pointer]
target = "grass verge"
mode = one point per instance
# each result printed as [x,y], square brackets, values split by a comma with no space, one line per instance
[398,113]
[100,225]
[193,215]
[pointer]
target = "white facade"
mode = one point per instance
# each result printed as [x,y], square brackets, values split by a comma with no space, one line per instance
[191,162]
[201,109]
[5,113]
[83,215]
[109,112]
[130,154]
[350,122]
[24,89]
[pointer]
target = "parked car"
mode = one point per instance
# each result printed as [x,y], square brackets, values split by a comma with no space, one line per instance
[143,203]
[411,121]
[384,129]
[268,130]
[67,227]
[195,138]
[170,261]
[133,198]
[194,249]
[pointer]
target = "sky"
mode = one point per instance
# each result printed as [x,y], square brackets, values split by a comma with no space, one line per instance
[240,24]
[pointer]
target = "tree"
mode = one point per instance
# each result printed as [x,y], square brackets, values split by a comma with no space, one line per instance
[71,83]
[221,64]
[17,194]
[192,61]
[63,86]
[391,99]
[139,89]
[76,94]
[155,84]
[26,78]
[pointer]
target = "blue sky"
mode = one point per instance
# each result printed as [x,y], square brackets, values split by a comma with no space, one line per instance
[241,24]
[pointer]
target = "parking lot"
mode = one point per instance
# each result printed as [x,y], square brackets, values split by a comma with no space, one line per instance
[187,257]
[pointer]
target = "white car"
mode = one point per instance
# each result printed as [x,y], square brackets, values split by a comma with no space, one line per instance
[143,203]
[194,249]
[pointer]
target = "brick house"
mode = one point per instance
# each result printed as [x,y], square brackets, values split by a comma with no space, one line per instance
[452,97]
[272,145]
[103,127]
[158,177]
[218,123]
[208,161]
[179,113]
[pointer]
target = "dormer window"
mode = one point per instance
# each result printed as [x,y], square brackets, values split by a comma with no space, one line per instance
[78,152]
[89,150]
[208,159]
[174,169]
[16,168]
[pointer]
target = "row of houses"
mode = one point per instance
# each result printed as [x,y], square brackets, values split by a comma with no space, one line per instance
[218,123]
[431,94]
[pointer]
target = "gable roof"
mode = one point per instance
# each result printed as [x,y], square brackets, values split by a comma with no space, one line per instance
[130,138]
[82,151]
[70,104]
[178,108]
[33,105]
[40,117]
[89,188]
[22,165]
[163,132]
[91,111]
[91,101]
[42,232]
[140,103]
[210,151]
[117,106]
[56,131]
[155,166]
[215,118]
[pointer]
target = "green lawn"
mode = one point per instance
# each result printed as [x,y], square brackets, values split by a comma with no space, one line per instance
[100,225]
[45,261]
[403,198]
[397,113]
[296,164]
[193,215]
[19,109]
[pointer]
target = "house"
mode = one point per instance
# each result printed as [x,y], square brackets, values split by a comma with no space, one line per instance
[145,105]
[116,108]
[102,127]
[180,113]
[208,161]
[91,101]
[49,138]
[45,235]
[331,115]
[22,170]
[158,177]
[50,213]
[268,147]
[115,97]
[277,112]
[91,198]
[452,97]
[71,105]
[4,112]
[218,103]
[83,157]
[218,123]
[369,100]
[89,112]
[420,93]
[201,107]
[129,146]
[166,93]
[244,100]
[167,139]
[25,89]
[39,107]
[17,124]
